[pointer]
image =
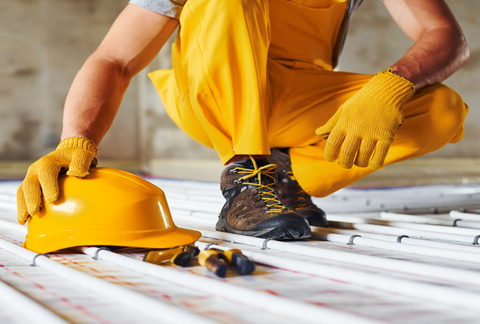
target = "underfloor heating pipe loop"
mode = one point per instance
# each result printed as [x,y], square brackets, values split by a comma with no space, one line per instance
[162,312]
[415,268]
[404,239]
[27,309]
[299,312]
[403,231]
[326,235]
[441,294]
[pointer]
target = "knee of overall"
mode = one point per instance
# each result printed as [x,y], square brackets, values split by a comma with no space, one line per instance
[445,116]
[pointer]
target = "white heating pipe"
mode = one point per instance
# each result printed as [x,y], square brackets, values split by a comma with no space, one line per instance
[239,294]
[200,220]
[410,267]
[7,205]
[404,240]
[151,307]
[257,299]
[435,220]
[422,227]
[403,231]
[13,226]
[194,205]
[456,298]
[344,222]
[422,219]
[319,234]
[26,307]
[436,228]
[361,199]
[467,216]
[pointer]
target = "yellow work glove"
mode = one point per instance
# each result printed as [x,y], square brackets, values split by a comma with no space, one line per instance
[363,128]
[77,154]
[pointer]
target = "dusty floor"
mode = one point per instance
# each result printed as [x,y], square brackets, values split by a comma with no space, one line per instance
[431,276]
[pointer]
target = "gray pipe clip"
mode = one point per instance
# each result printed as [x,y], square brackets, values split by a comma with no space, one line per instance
[350,241]
[95,256]
[264,244]
[35,257]
[209,245]
[399,239]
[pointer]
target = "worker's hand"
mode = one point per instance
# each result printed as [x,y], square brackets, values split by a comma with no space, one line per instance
[363,128]
[77,154]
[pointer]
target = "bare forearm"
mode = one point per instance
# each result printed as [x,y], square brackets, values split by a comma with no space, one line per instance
[432,59]
[93,100]
[97,91]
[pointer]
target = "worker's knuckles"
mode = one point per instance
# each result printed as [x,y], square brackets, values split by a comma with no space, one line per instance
[33,194]
[80,164]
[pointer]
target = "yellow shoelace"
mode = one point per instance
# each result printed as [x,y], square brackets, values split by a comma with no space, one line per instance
[301,194]
[267,170]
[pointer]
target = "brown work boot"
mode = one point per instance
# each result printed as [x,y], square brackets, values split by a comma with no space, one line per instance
[291,194]
[252,207]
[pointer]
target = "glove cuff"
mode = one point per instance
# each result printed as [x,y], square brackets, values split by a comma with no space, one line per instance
[394,86]
[389,71]
[78,142]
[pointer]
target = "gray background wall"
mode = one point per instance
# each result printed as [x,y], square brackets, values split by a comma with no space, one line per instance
[43,43]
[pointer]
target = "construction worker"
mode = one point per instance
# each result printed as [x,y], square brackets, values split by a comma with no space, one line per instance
[254,80]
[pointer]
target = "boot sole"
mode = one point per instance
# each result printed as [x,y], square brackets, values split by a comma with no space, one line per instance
[292,230]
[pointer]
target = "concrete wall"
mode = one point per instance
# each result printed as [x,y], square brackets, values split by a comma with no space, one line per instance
[43,43]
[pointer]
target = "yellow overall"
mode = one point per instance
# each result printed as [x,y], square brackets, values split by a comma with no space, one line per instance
[250,75]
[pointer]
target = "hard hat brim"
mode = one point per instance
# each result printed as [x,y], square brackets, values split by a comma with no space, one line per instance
[157,239]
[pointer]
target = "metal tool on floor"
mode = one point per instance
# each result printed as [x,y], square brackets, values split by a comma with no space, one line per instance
[238,260]
[184,258]
[162,256]
[181,256]
[214,262]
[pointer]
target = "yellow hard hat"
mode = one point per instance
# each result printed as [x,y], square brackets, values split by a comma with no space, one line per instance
[107,207]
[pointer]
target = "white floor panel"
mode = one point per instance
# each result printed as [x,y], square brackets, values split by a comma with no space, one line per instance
[196,204]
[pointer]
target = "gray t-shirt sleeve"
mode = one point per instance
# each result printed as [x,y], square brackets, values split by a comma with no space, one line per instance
[170,8]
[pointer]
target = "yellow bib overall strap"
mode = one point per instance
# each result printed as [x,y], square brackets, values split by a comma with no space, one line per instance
[252,75]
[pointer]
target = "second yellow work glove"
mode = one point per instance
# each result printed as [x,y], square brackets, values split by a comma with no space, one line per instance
[363,128]
[77,154]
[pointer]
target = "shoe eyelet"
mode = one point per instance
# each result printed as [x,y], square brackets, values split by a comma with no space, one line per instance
[237,181]
[233,171]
